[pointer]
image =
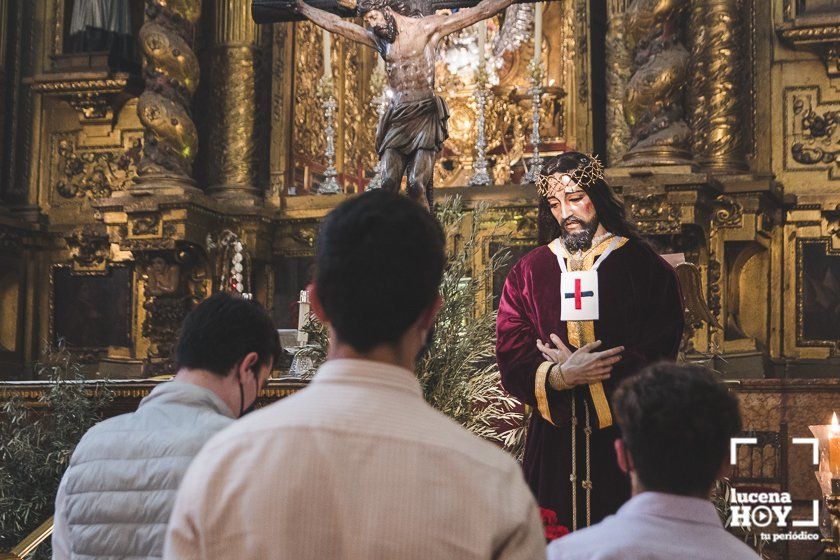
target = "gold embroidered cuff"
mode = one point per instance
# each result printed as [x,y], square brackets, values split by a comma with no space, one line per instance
[556,380]
[540,392]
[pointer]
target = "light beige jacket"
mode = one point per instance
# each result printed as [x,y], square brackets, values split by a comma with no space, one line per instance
[356,466]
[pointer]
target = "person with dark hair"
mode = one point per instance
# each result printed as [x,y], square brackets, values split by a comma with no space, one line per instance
[676,425]
[358,465]
[116,496]
[577,316]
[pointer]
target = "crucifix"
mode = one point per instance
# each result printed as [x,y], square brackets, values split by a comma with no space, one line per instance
[275,11]
[406,34]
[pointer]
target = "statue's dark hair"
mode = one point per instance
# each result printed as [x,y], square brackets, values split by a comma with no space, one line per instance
[611,211]
[403,7]
[365,6]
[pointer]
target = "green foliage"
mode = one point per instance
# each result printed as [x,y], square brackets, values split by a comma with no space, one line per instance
[318,341]
[36,444]
[720,498]
[459,374]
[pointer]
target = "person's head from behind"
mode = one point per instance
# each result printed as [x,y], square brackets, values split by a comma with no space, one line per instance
[676,422]
[229,345]
[379,261]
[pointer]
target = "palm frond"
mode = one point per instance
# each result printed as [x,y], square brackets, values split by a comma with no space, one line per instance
[35,447]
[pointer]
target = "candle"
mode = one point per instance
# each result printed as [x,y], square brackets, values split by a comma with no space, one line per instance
[482,42]
[538,26]
[303,316]
[834,447]
[327,41]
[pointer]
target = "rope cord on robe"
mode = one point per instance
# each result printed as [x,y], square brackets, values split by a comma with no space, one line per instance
[587,483]
[573,476]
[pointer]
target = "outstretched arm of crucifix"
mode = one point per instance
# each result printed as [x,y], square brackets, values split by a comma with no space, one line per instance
[335,24]
[444,25]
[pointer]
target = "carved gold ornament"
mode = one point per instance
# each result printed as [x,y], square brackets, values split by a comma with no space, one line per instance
[171,73]
[653,101]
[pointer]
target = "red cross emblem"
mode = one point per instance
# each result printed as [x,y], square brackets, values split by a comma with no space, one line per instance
[577,294]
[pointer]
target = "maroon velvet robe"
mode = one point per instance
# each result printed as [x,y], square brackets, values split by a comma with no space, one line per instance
[640,309]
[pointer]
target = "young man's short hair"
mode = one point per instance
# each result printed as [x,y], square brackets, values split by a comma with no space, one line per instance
[676,423]
[379,261]
[222,330]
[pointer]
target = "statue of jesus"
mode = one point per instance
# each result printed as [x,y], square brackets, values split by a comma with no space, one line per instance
[413,129]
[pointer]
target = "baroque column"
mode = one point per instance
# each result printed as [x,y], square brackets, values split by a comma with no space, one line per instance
[618,74]
[717,83]
[4,37]
[235,146]
[653,101]
[171,73]
[695,97]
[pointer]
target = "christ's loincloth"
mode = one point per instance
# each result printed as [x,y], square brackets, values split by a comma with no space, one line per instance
[418,125]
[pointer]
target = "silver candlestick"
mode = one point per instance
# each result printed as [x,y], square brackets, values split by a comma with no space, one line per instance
[480,177]
[330,184]
[535,162]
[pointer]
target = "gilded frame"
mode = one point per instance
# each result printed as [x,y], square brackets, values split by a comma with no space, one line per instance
[93,353]
[800,291]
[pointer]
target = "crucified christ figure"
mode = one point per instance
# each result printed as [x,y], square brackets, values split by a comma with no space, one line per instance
[413,129]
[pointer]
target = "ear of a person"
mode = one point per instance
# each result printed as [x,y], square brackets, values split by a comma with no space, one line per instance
[427,319]
[621,456]
[248,365]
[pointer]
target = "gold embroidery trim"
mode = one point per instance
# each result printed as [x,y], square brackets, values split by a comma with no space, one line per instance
[602,406]
[580,333]
[540,392]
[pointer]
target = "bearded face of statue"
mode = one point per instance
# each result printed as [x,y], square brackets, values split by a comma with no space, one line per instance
[382,23]
[574,211]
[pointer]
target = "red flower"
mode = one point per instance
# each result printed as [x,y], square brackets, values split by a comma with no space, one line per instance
[555,532]
[548,516]
[553,529]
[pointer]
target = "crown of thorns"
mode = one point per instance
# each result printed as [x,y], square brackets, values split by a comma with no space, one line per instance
[588,171]
[365,6]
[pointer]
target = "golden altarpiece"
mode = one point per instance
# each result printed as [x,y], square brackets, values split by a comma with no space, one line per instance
[719,121]
[737,173]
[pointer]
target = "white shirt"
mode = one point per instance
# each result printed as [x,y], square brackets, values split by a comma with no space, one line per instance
[655,526]
[356,466]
